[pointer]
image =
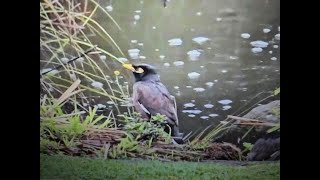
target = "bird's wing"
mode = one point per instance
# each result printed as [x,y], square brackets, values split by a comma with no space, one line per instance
[155,98]
[162,89]
[136,96]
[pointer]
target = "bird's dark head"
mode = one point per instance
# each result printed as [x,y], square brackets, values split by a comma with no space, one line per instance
[143,72]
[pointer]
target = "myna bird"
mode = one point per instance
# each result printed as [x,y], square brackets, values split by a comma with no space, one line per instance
[150,96]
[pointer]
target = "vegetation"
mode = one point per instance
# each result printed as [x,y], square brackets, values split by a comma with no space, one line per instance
[99,136]
[63,167]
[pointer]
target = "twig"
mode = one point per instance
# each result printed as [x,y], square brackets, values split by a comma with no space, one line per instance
[257,124]
[61,65]
[107,146]
[243,119]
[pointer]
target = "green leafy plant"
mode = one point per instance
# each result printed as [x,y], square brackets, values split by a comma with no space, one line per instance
[275,128]
[247,146]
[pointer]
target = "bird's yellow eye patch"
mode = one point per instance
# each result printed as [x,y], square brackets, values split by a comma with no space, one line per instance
[130,67]
[140,70]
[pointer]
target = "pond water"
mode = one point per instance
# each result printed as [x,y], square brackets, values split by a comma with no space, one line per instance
[212,55]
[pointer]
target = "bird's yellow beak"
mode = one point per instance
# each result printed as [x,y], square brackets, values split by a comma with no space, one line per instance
[130,67]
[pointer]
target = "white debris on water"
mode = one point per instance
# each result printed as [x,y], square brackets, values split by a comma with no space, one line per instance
[162,57]
[109,8]
[200,40]
[233,57]
[110,102]
[208,106]
[256,50]
[175,42]
[53,72]
[213,115]
[103,57]
[122,59]
[194,55]
[199,89]
[259,44]
[73,76]
[187,105]
[178,63]
[225,101]
[192,111]
[142,57]
[136,17]
[166,64]
[134,53]
[204,117]
[64,60]
[226,108]
[80,59]
[209,84]
[100,106]
[193,75]
[245,35]
[266,30]
[97,84]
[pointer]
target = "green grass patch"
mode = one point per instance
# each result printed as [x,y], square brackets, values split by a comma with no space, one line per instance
[65,167]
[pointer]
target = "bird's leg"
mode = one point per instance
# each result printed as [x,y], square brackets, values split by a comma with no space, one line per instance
[175,132]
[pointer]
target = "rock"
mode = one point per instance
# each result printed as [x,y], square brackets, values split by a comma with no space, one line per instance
[265,149]
[268,112]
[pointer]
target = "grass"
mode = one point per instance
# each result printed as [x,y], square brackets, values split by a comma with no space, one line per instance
[68,30]
[64,167]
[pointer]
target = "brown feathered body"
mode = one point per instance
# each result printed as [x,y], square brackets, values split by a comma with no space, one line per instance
[150,97]
[155,99]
